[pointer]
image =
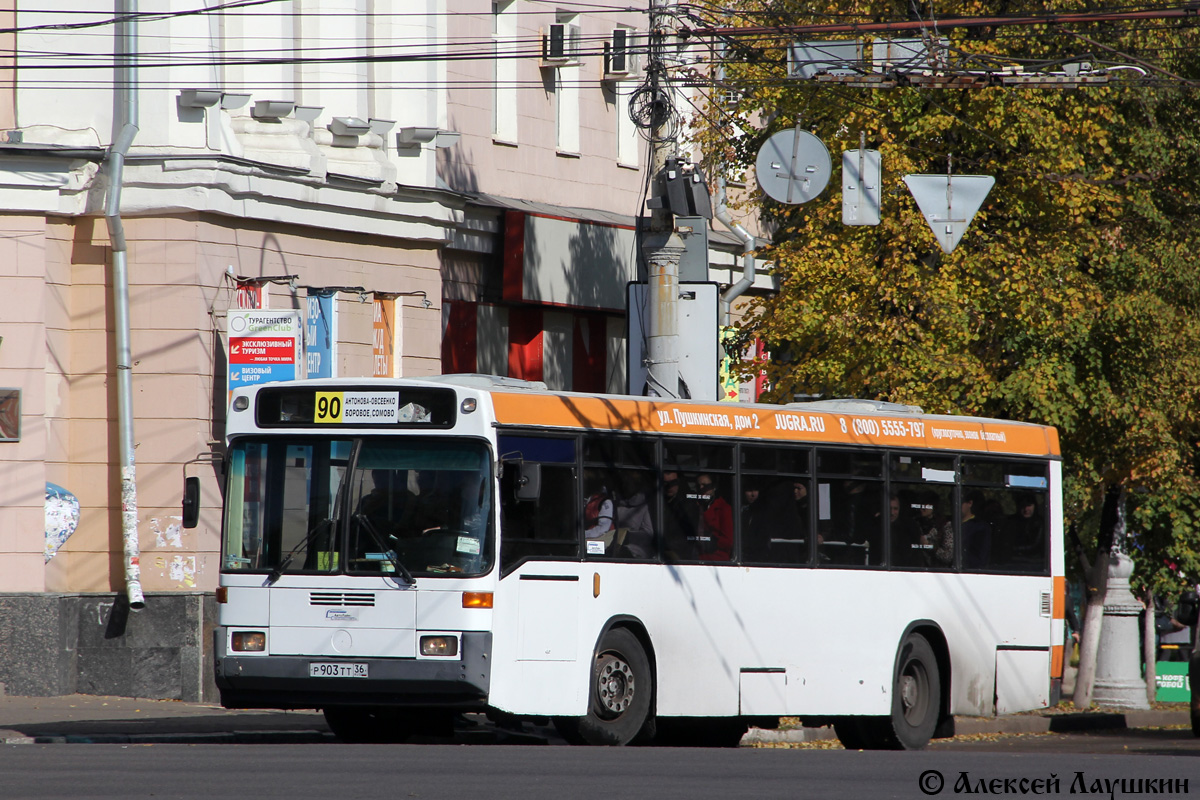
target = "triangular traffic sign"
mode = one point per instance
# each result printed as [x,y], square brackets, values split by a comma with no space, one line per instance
[949,203]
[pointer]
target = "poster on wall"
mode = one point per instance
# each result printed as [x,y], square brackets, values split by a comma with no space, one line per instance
[733,388]
[251,295]
[263,346]
[10,415]
[320,334]
[385,340]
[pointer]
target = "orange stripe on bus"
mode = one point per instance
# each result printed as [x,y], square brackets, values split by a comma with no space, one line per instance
[1058,608]
[770,423]
[1056,661]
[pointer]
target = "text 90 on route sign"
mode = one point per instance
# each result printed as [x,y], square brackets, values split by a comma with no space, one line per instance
[356,407]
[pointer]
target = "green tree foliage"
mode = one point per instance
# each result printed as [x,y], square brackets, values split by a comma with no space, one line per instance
[1072,299]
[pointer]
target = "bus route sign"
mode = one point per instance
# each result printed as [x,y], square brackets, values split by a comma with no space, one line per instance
[351,407]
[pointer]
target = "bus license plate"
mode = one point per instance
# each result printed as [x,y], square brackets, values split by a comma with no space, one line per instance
[327,670]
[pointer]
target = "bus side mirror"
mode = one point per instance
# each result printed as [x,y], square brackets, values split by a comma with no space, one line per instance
[191,502]
[529,481]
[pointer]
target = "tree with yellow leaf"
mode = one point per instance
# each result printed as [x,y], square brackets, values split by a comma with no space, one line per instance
[1072,299]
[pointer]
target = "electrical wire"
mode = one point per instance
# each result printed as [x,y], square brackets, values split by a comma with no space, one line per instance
[29,61]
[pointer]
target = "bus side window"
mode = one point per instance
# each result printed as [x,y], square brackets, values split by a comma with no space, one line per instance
[850,509]
[541,527]
[921,526]
[635,515]
[776,505]
[627,472]
[1006,531]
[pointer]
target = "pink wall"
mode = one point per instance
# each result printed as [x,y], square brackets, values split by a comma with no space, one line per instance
[533,169]
[57,347]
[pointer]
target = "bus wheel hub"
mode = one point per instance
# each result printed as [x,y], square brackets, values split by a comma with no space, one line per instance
[614,685]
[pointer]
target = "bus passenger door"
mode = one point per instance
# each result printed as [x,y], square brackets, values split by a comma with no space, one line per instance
[538,526]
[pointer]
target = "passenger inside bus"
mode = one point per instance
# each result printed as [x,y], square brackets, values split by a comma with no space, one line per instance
[1025,531]
[854,511]
[908,547]
[598,510]
[716,521]
[976,532]
[681,519]
[800,492]
[773,530]
[390,505]
[937,532]
[635,524]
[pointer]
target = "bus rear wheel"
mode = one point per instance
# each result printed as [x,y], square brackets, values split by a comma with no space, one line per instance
[916,705]
[619,694]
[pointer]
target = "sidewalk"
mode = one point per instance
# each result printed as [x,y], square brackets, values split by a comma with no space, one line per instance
[97,719]
[122,720]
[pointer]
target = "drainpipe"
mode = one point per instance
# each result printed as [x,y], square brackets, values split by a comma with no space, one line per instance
[735,291]
[127,116]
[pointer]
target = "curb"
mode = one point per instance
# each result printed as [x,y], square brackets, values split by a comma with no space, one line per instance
[789,736]
[501,737]
[231,737]
[1084,722]
[1015,724]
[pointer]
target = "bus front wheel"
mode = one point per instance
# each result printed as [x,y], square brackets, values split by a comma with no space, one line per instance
[619,694]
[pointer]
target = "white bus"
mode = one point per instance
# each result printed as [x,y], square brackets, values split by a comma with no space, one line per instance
[396,552]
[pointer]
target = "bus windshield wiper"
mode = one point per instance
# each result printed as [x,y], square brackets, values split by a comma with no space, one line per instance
[277,572]
[389,554]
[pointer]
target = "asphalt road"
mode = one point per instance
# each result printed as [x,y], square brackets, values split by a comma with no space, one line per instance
[344,772]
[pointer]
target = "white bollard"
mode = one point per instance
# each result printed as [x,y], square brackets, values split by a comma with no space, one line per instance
[1119,682]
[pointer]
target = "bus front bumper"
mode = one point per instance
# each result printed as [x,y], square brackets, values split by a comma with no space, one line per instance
[286,682]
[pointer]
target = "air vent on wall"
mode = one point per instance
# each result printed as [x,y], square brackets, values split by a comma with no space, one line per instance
[618,60]
[560,44]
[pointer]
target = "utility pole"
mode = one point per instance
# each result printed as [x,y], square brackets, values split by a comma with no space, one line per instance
[662,246]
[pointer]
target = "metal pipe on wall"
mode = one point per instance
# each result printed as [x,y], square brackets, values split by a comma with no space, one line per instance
[126,107]
[749,265]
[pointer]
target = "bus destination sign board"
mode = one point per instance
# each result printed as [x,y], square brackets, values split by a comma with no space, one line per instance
[355,406]
[351,407]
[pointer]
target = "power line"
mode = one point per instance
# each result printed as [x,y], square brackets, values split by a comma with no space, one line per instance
[148,16]
[237,5]
[896,26]
[495,49]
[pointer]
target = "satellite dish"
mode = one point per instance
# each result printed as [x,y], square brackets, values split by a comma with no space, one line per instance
[793,166]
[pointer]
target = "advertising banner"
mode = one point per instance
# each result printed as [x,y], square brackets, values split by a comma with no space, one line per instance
[1171,682]
[263,346]
[320,334]
[385,347]
[251,295]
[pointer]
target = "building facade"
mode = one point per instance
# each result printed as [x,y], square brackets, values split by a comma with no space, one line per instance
[425,185]
[554,171]
[264,172]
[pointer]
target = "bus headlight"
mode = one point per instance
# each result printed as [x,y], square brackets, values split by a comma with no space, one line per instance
[439,645]
[248,641]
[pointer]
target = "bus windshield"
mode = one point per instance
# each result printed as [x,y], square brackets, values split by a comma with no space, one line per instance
[370,506]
